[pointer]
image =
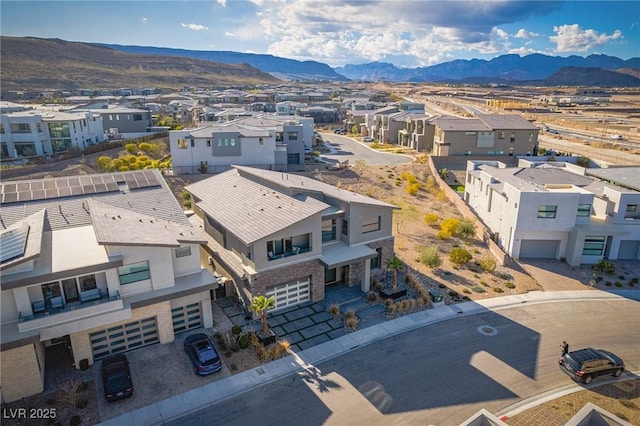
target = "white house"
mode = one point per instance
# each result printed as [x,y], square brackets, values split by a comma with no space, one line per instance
[558,210]
[100,263]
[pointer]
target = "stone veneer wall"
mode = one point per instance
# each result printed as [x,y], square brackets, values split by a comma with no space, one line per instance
[387,253]
[22,372]
[81,344]
[262,280]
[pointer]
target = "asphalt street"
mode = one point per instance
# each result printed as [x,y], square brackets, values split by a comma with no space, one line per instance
[440,374]
[352,150]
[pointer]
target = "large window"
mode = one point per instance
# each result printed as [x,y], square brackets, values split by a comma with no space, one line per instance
[547,212]
[328,230]
[293,158]
[371,225]
[20,128]
[183,251]
[376,262]
[134,272]
[345,227]
[59,130]
[293,136]
[584,210]
[593,246]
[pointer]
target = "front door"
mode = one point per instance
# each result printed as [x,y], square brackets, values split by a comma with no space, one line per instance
[70,290]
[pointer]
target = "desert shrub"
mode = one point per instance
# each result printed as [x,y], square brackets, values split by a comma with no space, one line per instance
[413,189]
[349,314]
[618,284]
[145,147]
[450,225]
[70,391]
[273,352]
[604,266]
[424,300]
[398,182]
[351,323]
[441,196]
[498,290]
[243,342]
[466,228]
[372,297]
[477,289]
[284,346]
[409,177]
[334,310]
[488,264]
[430,256]
[510,285]
[459,256]
[444,235]
[131,148]
[236,330]
[466,290]
[105,163]
[431,218]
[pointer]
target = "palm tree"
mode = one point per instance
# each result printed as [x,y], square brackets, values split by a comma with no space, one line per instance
[394,264]
[260,304]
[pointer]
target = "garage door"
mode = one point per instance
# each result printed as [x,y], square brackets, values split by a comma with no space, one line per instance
[628,250]
[541,249]
[290,294]
[186,318]
[124,337]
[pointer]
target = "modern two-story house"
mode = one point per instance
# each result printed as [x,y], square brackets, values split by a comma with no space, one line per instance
[558,210]
[102,264]
[486,134]
[287,235]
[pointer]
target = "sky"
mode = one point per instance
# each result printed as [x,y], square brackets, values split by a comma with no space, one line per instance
[406,33]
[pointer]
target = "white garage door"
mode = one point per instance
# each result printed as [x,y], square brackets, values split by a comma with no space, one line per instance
[124,337]
[628,250]
[186,318]
[290,294]
[540,249]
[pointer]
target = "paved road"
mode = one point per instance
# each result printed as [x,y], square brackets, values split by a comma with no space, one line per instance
[608,155]
[352,150]
[440,374]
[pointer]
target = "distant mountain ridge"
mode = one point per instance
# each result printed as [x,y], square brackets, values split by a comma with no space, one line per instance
[281,67]
[30,63]
[506,68]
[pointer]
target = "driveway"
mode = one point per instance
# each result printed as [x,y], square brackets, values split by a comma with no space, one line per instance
[345,148]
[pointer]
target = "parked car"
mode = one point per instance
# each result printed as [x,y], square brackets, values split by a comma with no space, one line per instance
[586,364]
[367,139]
[202,354]
[616,137]
[116,378]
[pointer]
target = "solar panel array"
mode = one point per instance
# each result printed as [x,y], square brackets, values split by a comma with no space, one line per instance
[13,243]
[19,192]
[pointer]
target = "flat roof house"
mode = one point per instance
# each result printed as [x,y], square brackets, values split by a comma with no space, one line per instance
[555,210]
[486,134]
[100,263]
[286,235]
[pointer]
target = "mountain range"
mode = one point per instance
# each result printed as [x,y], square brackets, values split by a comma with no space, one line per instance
[29,63]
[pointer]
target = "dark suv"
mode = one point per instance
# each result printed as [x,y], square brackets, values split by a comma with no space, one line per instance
[585,364]
[202,354]
[116,378]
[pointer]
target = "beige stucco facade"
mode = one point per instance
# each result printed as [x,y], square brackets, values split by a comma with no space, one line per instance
[23,369]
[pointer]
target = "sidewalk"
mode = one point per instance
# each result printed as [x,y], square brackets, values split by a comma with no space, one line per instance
[196,399]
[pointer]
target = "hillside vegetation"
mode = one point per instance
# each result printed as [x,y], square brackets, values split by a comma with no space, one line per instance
[37,64]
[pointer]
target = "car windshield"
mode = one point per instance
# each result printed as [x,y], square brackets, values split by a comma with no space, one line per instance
[116,381]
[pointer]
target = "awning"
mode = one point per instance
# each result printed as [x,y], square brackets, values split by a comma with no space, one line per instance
[340,254]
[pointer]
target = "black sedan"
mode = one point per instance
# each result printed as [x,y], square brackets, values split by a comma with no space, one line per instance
[202,354]
[116,378]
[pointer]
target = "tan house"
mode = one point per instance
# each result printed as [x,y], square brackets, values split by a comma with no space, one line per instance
[286,235]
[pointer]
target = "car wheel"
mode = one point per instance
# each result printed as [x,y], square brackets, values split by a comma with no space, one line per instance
[588,379]
[617,373]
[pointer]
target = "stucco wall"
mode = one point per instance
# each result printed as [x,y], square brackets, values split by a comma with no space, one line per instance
[22,372]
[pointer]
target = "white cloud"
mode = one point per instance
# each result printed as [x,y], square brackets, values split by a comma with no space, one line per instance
[194,27]
[144,20]
[522,33]
[223,3]
[573,38]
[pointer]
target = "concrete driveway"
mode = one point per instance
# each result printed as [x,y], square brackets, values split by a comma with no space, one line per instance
[158,372]
[345,148]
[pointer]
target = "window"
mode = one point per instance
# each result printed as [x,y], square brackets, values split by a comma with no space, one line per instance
[530,136]
[183,251]
[20,128]
[208,142]
[376,262]
[293,158]
[512,139]
[631,208]
[593,246]
[279,137]
[328,230]
[193,143]
[182,144]
[501,136]
[293,136]
[330,275]
[345,227]
[584,210]
[134,272]
[137,117]
[547,212]
[261,141]
[232,142]
[88,282]
[371,225]
[277,248]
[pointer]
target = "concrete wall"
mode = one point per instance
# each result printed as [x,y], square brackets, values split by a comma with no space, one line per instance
[22,372]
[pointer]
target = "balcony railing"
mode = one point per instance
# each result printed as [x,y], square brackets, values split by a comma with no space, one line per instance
[69,307]
[294,252]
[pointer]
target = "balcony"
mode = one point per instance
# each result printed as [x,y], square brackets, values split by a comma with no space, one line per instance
[294,252]
[56,314]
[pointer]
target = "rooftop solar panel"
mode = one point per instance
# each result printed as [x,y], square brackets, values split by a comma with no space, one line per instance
[9,187]
[112,186]
[23,186]
[38,194]
[74,181]
[76,190]
[64,192]
[10,197]
[36,185]
[24,195]
[48,184]
[13,243]
[50,193]
[101,187]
